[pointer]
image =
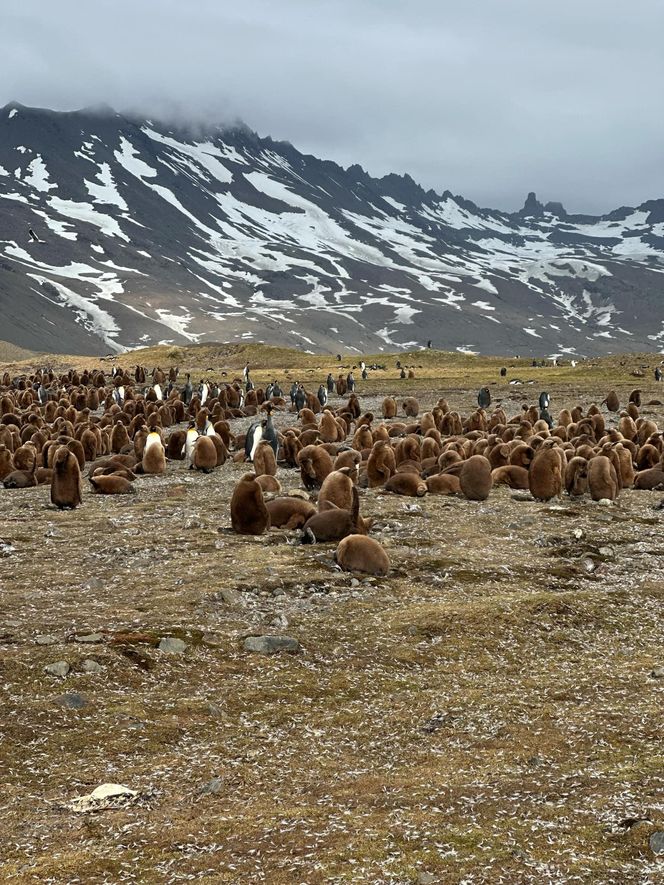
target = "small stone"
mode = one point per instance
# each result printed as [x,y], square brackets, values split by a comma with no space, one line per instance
[269,645]
[90,637]
[90,666]
[657,673]
[46,639]
[230,596]
[606,551]
[72,700]
[657,842]
[93,584]
[522,496]
[172,646]
[59,668]
[354,582]
[212,788]
[578,534]
[426,879]
[193,523]
[605,502]
[6,549]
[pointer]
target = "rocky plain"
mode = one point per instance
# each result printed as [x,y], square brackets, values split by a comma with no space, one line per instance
[488,712]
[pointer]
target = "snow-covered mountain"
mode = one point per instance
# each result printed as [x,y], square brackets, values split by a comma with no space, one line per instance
[149,233]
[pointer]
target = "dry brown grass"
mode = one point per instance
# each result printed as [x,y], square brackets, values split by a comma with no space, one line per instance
[485,713]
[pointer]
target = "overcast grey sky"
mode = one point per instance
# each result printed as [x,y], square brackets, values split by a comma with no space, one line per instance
[489,98]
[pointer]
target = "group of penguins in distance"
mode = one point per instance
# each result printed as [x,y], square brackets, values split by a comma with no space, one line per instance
[53,427]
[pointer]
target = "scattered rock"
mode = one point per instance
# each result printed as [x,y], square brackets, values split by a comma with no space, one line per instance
[89,637]
[605,502]
[657,842]
[269,645]
[172,646]
[104,797]
[6,549]
[93,584]
[90,666]
[657,673]
[46,639]
[212,788]
[522,496]
[230,596]
[72,700]
[426,879]
[59,668]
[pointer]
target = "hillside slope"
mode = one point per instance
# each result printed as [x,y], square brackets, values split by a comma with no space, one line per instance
[152,234]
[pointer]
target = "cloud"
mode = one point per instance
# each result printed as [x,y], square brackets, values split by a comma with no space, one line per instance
[490,98]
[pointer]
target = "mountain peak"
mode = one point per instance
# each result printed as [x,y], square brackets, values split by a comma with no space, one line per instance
[246,238]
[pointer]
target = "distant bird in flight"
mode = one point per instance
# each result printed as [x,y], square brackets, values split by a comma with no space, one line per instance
[33,236]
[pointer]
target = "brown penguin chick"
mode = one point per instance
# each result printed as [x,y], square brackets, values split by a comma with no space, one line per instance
[624,463]
[443,484]
[407,449]
[475,478]
[381,464]
[20,479]
[429,449]
[353,406]
[222,452]
[113,471]
[332,523]
[650,479]
[90,444]
[175,445]
[360,553]
[6,462]
[119,437]
[111,484]
[362,439]
[205,454]
[612,402]
[576,477]
[315,464]
[389,407]
[633,411]
[410,466]
[349,458]
[408,484]
[25,457]
[154,455]
[289,513]
[602,479]
[329,429]
[66,480]
[290,447]
[44,475]
[510,475]
[265,462]
[545,474]
[269,483]
[249,515]
[410,407]
[499,456]
[647,456]
[337,488]
[310,437]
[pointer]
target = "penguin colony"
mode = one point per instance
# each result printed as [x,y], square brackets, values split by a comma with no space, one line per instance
[62,430]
